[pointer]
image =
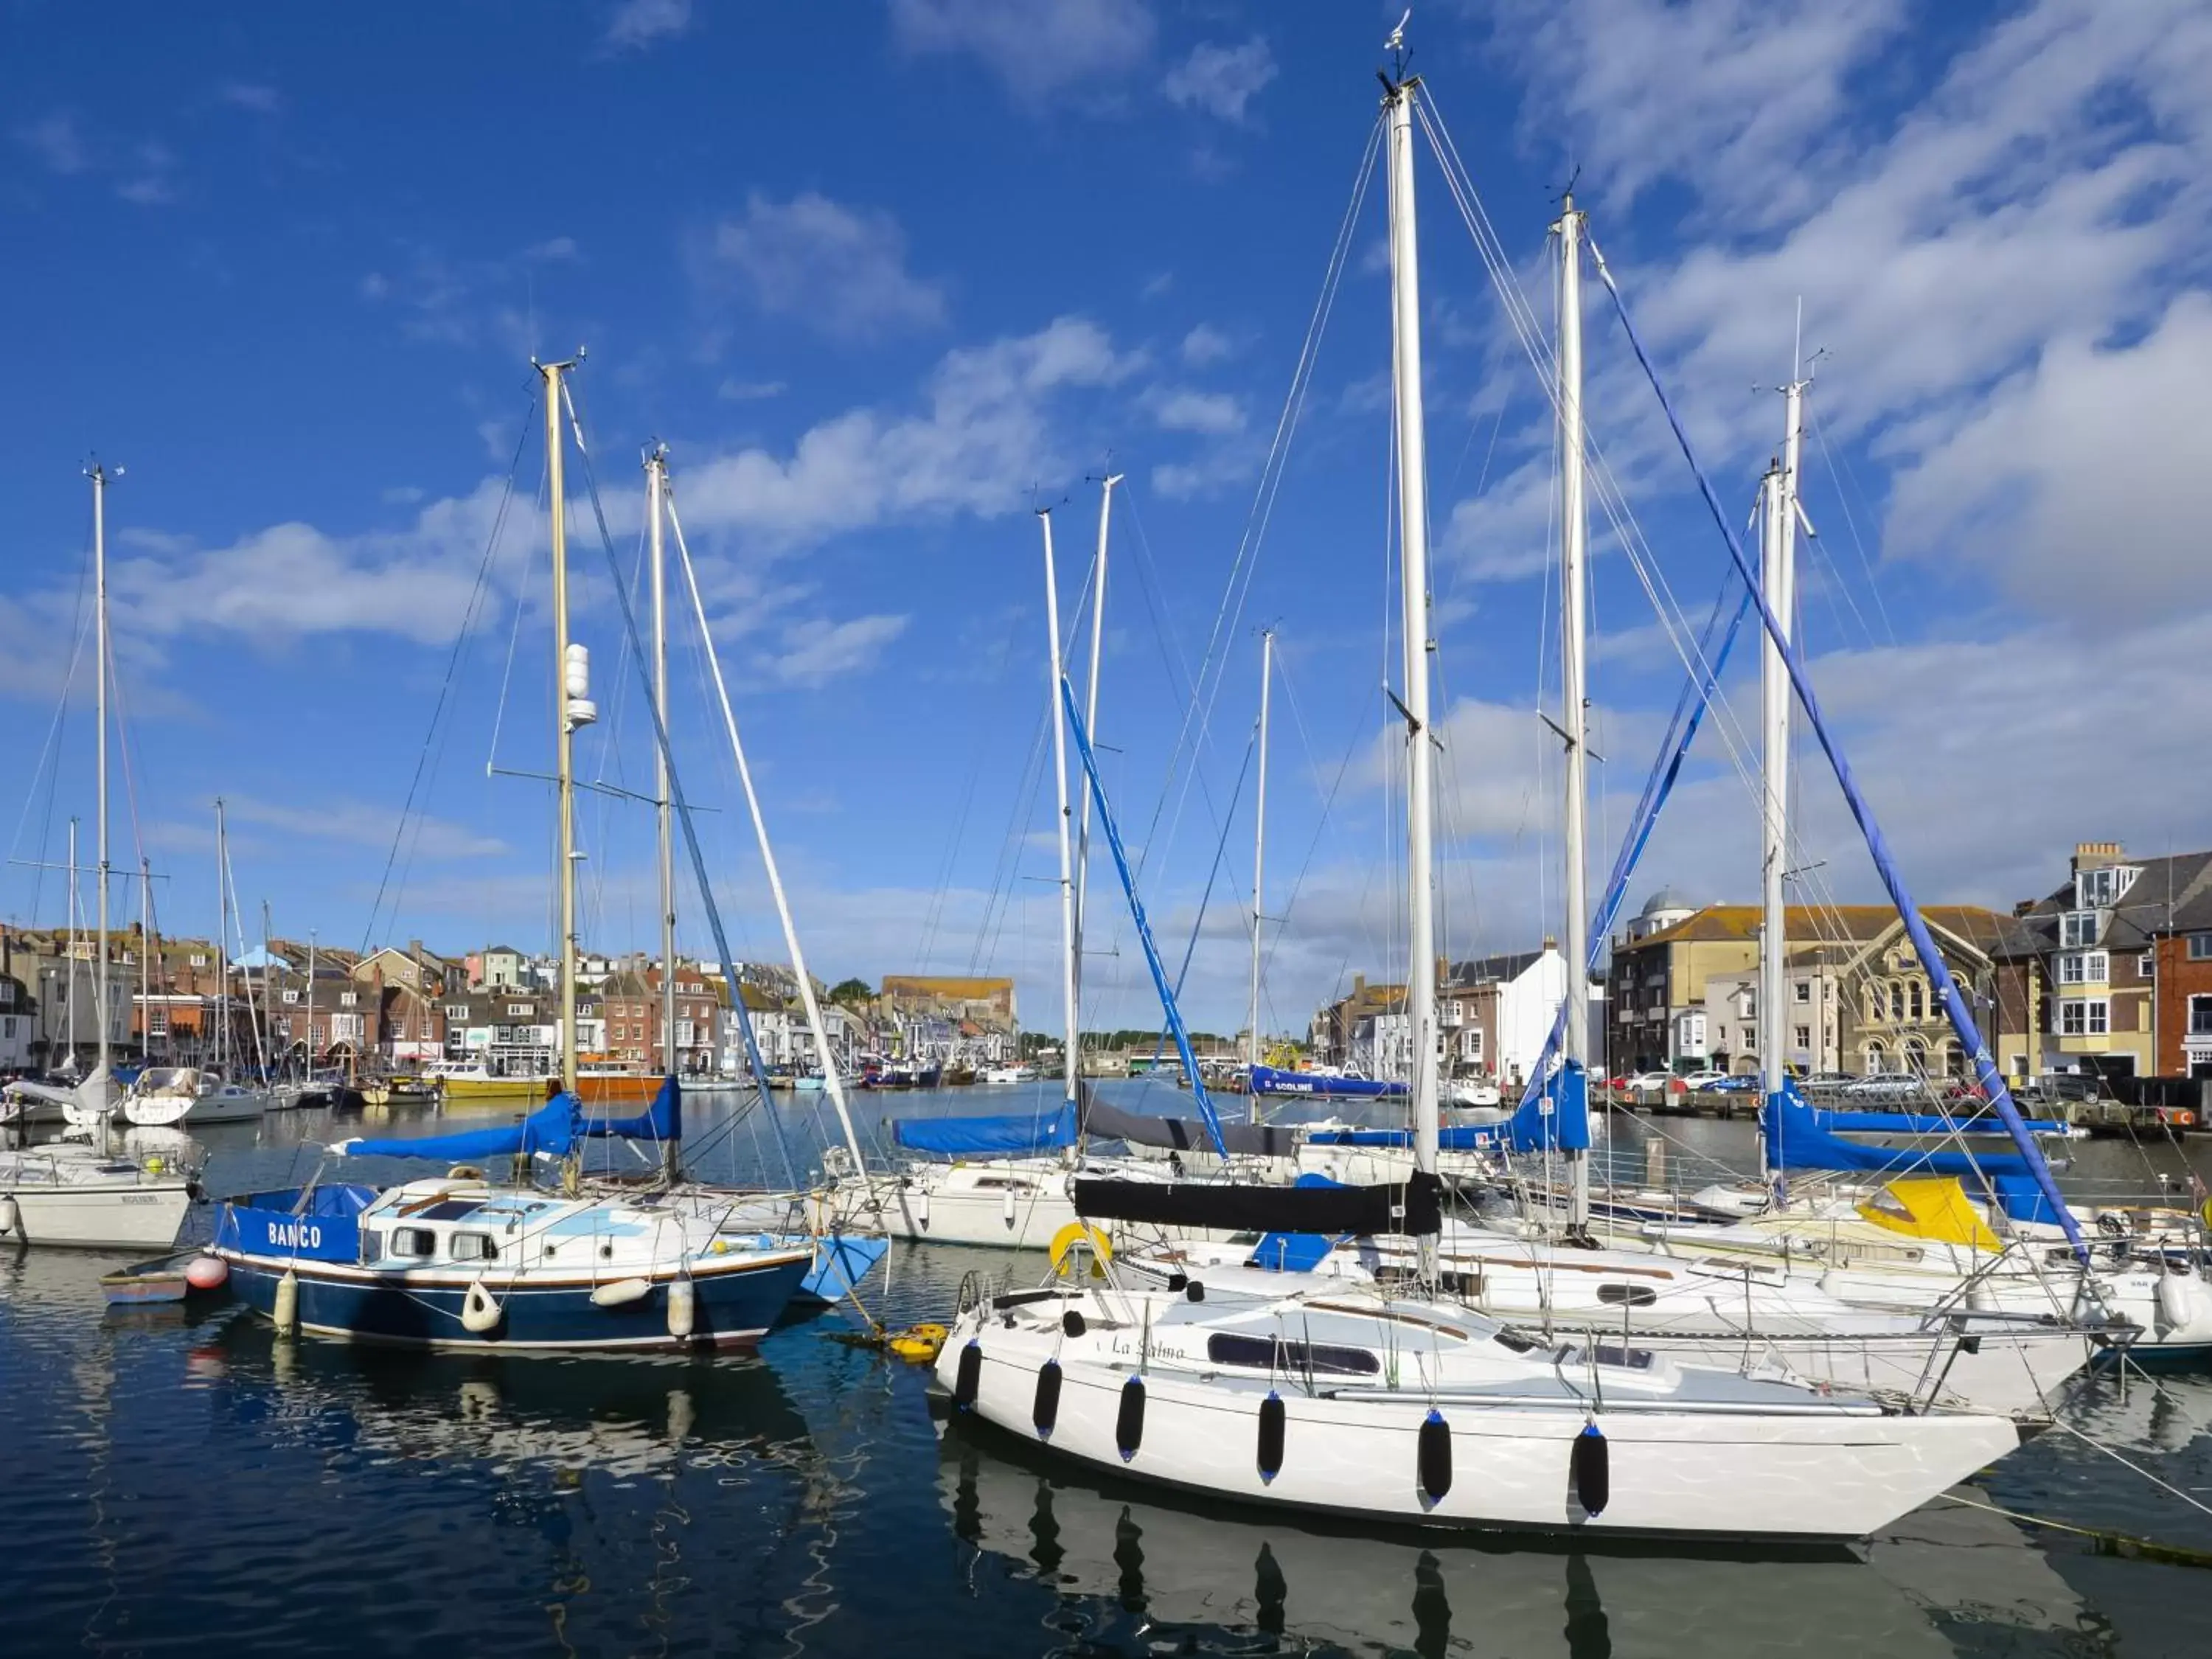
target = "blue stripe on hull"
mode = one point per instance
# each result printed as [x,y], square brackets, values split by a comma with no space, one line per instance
[731,1308]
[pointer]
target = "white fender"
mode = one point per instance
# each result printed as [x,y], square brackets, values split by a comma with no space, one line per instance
[683,1309]
[480,1310]
[2184,1307]
[620,1292]
[921,1209]
[11,1217]
[286,1312]
[1009,1206]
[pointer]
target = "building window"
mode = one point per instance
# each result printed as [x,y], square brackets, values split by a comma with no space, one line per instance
[348,998]
[2084,1017]
[1917,1010]
[2200,1015]
[2085,968]
[518,1010]
[2077,928]
[291,998]
[1804,989]
[1804,1036]
[2101,887]
[457,1011]
[2147,966]
[157,1022]
[2200,947]
[199,960]
[1877,1060]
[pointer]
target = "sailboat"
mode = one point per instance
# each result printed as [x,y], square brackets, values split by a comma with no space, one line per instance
[1401,1402]
[459,1261]
[87,1195]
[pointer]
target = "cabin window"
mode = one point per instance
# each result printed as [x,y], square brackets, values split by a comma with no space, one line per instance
[416,1243]
[1633,1296]
[1260,1353]
[473,1247]
[1635,1360]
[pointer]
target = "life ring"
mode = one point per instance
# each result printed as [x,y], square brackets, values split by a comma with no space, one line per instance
[1081,1232]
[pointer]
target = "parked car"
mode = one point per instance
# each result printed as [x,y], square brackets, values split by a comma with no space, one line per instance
[1691,1082]
[1640,1080]
[1736,1083]
[1886,1085]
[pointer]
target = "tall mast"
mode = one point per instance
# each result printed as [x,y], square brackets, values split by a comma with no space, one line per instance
[1413,540]
[1091,721]
[75,902]
[145,960]
[830,1083]
[221,941]
[98,474]
[1778,576]
[571,695]
[656,484]
[1059,785]
[1574,624]
[656,478]
[308,1046]
[1259,867]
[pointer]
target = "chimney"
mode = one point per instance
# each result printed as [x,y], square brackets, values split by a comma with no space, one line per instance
[2096,854]
[1359,985]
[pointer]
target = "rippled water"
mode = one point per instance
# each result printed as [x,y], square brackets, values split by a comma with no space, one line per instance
[185,1482]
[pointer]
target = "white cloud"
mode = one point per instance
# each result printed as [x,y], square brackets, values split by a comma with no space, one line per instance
[360,823]
[2080,485]
[1181,409]
[250,96]
[837,269]
[1207,344]
[1221,81]
[1037,51]
[821,650]
[552,248]
[978,447]
[735,391]
[57,143]
[636,24]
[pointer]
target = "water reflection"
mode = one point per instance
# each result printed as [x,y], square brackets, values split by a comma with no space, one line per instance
[1206,1578]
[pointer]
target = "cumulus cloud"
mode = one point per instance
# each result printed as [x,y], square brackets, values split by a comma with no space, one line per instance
[840,270]
[820,650]
[637,24]
[1221,81]
[1038,52]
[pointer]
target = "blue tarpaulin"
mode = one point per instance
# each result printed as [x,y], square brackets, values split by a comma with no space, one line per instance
[1912,1123]
[663,1121]
[553,1128]
[1556,1120]
[1015,1132]
[1268,1080]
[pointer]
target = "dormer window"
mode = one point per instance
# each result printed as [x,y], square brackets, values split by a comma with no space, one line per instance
[2094,889]
[2077,928]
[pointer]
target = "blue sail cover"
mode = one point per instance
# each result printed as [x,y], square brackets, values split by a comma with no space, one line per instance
[553,1128]
[1268,1080]
[1796,1140]
[663,1121]
[1911,1123]
[1014,1132]
[1558,1119]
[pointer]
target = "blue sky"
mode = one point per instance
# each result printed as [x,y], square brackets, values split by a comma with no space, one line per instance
[884,277]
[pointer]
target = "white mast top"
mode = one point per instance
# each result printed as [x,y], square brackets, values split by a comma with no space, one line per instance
[572,709]
[1413,533]
[1574,627]
[1090,725]
[1073,1043]
[98,474]
[1777,575]
[656,475]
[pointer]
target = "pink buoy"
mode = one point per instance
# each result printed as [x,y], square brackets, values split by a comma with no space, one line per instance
[207,1273]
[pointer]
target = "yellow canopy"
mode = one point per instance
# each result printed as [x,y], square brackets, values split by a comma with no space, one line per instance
[1931,1207]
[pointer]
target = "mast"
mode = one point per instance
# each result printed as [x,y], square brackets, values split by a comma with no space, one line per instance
[656,479]
[1574,624]
[1090,720]
[145,965]
[100,986]
[307,1047]
[1068,923]
[1413,539]
[571,694]
[1258,864]
[1777,578]
[75,900]
[831,1083]
[222,942]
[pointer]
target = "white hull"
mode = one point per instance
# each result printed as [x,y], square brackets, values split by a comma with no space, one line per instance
[1811,1472]
[141,1216]
[1012,1205]
[243,1106]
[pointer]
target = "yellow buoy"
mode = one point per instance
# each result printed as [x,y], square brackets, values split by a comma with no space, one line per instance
[1064,1244]
[286,1312]
[919,1345]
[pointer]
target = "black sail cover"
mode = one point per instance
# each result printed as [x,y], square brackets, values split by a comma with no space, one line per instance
[1414,1207]
[1105,1122]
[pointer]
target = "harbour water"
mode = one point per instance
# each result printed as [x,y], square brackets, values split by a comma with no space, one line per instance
[181,1480]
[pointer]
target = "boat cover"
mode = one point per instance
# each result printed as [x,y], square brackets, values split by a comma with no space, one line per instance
[1414,1207]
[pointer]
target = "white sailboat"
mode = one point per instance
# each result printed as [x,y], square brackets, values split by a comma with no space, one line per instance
[1414,1407]
[80,1195]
